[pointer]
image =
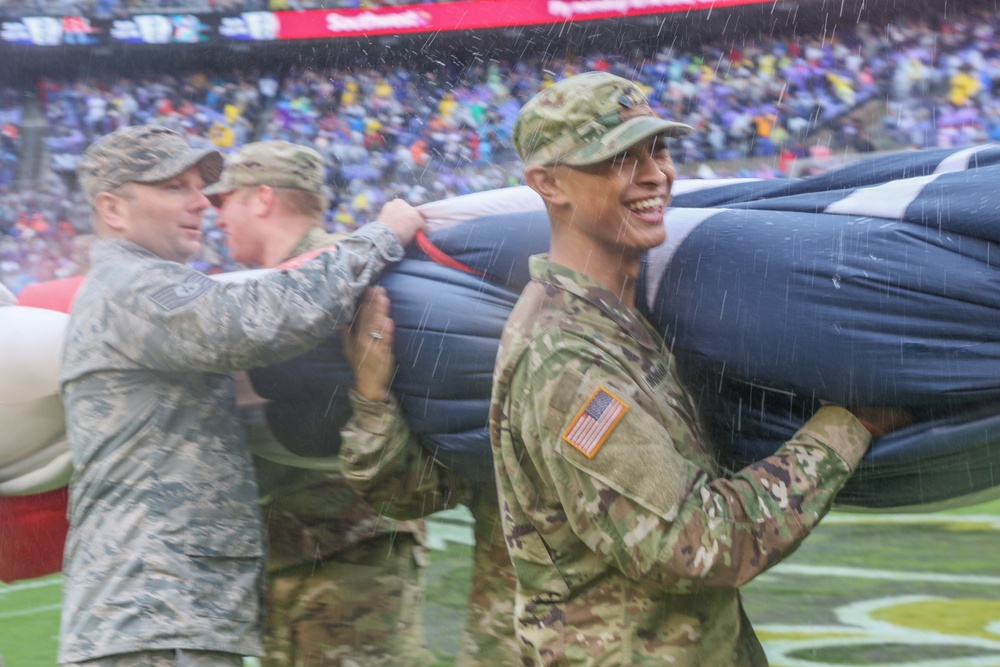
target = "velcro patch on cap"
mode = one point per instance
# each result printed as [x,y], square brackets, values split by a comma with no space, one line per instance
[595,422]
[175,296]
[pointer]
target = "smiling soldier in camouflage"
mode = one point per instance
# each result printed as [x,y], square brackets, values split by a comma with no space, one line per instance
[629,545]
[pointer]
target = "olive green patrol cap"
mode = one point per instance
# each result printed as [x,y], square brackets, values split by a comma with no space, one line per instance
[280,164]
[586,119]
[141,154]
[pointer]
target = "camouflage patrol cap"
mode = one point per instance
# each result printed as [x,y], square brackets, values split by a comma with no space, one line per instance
[280,164]
[141,154]
[586,119]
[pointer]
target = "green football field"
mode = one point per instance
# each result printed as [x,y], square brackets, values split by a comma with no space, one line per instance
[885,590]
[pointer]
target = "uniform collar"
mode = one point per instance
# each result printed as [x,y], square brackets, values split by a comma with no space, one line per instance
[112,245]
[316,237]
[583,286]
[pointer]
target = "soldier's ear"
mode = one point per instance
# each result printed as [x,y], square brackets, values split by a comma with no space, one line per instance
[264,198]
[111,210]
[543,180]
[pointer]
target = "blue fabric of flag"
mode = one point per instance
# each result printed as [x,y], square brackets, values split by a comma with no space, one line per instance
[874,284]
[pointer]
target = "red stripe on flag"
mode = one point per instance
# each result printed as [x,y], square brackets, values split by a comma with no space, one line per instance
[593,433]
[437,255]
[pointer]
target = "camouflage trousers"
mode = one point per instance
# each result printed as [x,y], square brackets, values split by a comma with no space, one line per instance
[489,639]
[359,608]
[168,658]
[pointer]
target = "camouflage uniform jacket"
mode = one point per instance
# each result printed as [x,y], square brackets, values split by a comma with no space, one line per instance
[165,548]
[385,463]
[314,513]
[629,547]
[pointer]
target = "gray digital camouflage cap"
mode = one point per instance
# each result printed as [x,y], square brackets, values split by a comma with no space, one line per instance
[280,164]
[142,154]
[586,119]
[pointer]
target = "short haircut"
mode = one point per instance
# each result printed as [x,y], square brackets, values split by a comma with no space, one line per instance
[302,202]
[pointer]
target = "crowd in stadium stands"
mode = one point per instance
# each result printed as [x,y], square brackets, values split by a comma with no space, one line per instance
[395,131]
[944,87]
[37,241]
[11,112]
[217,109]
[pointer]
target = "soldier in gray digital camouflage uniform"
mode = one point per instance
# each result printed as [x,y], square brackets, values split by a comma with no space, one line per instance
[345,582]
[164,559]
[628,545]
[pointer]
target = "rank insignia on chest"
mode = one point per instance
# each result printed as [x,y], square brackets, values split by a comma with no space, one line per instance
[175,296]
[595,422]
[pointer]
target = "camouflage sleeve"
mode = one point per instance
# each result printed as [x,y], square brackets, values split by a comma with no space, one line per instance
[651,512]
[175,319]
[383,461]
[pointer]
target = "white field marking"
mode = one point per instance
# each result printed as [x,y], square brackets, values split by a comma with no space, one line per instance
[884,575]
[861,629]
[440,533]
[850,518]
[31,584]
[44,609]
[860,614]
[780,653]
[6,590]
[454,525]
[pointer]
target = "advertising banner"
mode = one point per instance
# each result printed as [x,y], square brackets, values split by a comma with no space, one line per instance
[49,31]
[263,26]
[160,29]
[468,15]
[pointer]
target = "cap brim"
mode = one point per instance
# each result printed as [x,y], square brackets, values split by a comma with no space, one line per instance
[208,160]
[623,137]
[217,188]
[215,198]
[223,187]
[214,191]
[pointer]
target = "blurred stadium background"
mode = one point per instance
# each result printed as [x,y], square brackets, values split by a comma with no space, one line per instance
[417,100]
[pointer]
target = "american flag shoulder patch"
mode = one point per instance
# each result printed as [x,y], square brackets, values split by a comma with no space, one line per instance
[594,423]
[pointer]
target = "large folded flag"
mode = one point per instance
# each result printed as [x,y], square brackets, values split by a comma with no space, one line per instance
[874,284]
[32,534]
[34,458]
